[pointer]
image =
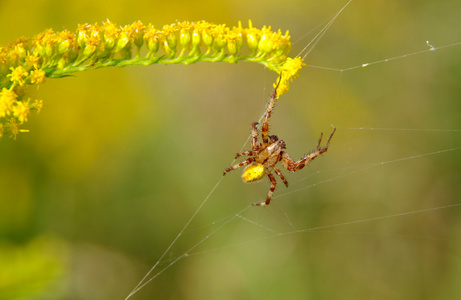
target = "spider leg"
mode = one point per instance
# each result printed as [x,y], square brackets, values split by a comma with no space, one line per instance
[240,164]
[271,190]
[245,153]
[294,166]
[255,144]
[265,128]
[279,173]
[328,141]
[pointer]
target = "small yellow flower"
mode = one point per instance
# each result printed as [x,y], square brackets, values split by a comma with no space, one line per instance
[138,33]
[234,40]
[289,71]
[4,60]
[219,33]
[38,105]
[46,43]
[13,128]
[111,34]
[184,34]
[33,60]
[292,66]
[14,55]
[265,43]
[196,37]
[152,37]
[18,75]
[205,30]
[85,31]
[126,37]
[19,51]
[170,40]
[37,76]
[252,35]
[65,40]
[7,99]
[21,110]
[92,43]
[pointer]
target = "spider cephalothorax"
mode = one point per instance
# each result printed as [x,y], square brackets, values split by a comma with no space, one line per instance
[264,156]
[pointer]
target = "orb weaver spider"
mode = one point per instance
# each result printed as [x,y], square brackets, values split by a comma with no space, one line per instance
[264,156]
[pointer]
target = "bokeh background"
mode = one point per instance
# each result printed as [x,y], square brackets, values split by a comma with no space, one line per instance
[119,160]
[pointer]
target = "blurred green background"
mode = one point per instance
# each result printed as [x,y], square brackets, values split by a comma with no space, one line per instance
[119,160]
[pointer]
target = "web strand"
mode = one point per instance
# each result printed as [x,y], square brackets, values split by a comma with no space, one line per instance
[146,281]
[402,129]
[323,228]
[311,45]
[431,49]
[142,283]
[367,167]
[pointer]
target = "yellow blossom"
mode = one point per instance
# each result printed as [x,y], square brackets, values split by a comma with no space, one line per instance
[219,33]
[38,105]
[33,60]
[13,128]
[152,37]
[21,110]
[184,34]
[289,71]
[138,33]
[252,35]
[170,40]
[7,99]
[111,35]
[18,75]
[205,29]
[37,76]
[126,37]
[292,66]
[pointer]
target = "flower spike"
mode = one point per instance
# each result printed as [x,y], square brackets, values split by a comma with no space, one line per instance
[50,54]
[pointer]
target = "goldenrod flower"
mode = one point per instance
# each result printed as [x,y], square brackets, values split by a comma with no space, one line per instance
[37,105]
[7,99]
[17,75]
[12,126]
[289,71]
[37,76]
[253,35]
[28,61]
[21,110]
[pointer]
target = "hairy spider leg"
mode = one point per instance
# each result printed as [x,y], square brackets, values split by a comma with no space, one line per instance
[279,173]
[240,164]
[271,190]
[328,141]
[294,166]
[255,144]
[265,128]
[245,153]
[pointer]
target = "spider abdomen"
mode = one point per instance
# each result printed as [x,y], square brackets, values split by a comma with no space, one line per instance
[253,172]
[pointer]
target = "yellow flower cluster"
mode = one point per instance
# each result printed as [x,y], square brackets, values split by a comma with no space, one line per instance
[58,54]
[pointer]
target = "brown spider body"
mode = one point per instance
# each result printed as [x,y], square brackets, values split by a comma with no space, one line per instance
[264,156]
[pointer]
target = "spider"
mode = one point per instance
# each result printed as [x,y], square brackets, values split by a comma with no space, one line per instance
[265,156]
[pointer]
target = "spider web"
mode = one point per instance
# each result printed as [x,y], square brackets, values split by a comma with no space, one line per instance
[347,162]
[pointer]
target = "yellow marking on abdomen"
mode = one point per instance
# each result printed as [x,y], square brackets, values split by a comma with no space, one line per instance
[253,172]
